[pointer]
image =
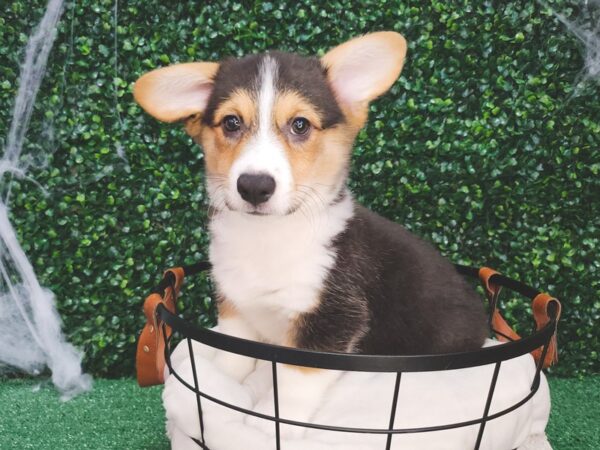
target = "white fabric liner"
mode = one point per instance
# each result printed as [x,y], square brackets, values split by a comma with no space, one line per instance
[360,400]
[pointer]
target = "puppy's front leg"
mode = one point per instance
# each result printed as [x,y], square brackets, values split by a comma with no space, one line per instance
[301,391]
[232,323]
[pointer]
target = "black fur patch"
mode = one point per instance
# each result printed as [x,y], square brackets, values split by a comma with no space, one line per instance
[392,293]
[298,73]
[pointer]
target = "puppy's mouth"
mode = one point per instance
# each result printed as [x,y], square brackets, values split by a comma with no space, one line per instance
[250,210]
[262,211]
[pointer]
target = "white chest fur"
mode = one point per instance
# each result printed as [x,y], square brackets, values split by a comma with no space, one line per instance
[272,268]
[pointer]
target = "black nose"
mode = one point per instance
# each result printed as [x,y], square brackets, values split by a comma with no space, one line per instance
[256,188]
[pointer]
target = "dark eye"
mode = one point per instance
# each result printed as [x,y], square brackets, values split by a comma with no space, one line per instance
[300,125]
[231,123]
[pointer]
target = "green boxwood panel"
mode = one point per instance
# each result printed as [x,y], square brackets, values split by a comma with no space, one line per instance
[487,146]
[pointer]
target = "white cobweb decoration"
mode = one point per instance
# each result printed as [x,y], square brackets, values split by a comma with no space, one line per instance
[586,27]
[31,338]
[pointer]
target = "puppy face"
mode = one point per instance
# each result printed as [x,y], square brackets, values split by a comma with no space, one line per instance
[276,128]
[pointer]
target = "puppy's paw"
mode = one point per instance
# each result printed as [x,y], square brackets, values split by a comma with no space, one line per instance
[236,366]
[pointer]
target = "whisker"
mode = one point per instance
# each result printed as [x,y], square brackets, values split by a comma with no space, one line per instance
[312,204]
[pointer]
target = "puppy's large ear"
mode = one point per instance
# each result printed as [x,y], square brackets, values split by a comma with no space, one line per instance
[175,92]
[365,67]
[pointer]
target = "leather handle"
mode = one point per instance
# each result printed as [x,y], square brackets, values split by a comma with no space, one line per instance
[504,331]
[179,275]
[150,355]
[485,273]
[544,308]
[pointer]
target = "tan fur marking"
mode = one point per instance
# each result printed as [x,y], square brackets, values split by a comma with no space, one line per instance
[193,126]
[220,152]
[290,341]
[239,103]
[357,115]
[226,308]
[292,104]
[305,370]
[292,332]
[321,158]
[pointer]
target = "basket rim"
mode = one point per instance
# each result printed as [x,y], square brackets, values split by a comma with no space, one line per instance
[364,362]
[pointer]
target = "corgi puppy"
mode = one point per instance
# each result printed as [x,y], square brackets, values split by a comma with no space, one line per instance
[296,261]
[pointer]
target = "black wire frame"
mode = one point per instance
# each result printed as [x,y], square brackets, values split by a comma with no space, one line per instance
[397,364]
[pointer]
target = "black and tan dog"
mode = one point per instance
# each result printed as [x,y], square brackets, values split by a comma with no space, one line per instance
[295,260]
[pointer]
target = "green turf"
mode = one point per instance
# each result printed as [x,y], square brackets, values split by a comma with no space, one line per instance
[575,415]
[116,414]
[119,415]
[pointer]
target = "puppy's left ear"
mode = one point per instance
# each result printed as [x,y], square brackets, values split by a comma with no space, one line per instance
[363,68]
[175,92]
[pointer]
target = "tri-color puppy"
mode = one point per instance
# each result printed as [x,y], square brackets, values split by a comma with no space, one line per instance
[296,260]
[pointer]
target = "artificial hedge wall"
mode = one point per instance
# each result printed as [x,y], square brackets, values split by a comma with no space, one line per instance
[487,146]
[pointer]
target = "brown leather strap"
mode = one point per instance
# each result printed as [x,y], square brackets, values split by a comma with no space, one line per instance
[544,308]
[504,332]
[485,273]
[150,356]
[179,275]
[540,306]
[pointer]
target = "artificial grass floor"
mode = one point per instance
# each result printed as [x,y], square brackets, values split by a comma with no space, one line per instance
[117,414]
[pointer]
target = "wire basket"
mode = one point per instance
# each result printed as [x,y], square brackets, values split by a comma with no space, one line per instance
[155,345]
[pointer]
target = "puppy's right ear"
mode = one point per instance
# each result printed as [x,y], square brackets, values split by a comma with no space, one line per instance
[175,92]
[363,68]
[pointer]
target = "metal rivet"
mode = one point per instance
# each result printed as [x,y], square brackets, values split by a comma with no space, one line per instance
[151,328]
[146,348]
